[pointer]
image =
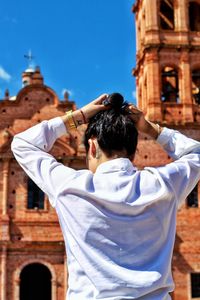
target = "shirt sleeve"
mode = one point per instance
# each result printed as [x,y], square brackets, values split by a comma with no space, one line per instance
[30,150]
[184,172]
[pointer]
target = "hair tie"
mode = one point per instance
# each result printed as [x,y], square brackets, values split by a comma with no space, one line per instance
[124,106]
[106,102]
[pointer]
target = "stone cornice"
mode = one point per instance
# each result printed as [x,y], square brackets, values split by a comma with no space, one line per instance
[147,48]
[135,6]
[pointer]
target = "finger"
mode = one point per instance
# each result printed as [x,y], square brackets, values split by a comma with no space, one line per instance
[132,106]
[133,109]
[103,107]
[100,99]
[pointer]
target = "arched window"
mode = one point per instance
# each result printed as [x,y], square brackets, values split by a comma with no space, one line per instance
[194,16]
[192,199]
[166,14]
[169,85]
[35,282]
[195,285]
[196,86]
[35,196]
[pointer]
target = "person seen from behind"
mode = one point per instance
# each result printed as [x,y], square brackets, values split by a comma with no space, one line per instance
[118,222]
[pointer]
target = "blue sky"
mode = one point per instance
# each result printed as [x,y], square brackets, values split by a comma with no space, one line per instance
[84,46]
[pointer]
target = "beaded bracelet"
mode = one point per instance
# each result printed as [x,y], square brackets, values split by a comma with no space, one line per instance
[70,120]
[84,119]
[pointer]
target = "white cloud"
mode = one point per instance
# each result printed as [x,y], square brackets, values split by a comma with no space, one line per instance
[4,75]
[70,92]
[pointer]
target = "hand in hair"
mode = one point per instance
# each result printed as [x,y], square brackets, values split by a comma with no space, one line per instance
[142,124]
[82,116]
[138,117]
[116,104]
[94,107]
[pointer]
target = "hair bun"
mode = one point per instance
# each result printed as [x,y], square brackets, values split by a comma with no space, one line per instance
[116,100]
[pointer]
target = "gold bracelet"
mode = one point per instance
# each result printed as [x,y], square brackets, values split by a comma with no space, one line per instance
[70,120]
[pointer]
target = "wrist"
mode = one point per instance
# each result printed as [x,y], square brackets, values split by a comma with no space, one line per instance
[73,119]
[152,129]
[79,117]
[68,119]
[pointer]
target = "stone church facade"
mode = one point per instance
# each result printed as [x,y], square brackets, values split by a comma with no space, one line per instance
[168,81]
[31,244]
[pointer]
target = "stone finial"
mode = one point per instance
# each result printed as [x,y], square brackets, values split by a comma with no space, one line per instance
[27,77]
[6,95]
[66,96]
[37,77]
[32,76]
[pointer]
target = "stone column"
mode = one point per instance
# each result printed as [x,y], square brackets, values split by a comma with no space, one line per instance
[65,276]
[185,88]
[139,81]
[3,273]
[138,36]
[144,89]
[181,15]
[181,20]
[16,289]
[153,103]
[137,30]
[5,187]
[151,12]
[4,217]
[54,289]
[152,33]
[142,26]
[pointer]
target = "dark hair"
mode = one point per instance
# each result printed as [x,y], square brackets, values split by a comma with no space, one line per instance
[113,128]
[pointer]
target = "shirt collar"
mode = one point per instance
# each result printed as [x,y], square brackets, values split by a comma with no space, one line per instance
[115,165]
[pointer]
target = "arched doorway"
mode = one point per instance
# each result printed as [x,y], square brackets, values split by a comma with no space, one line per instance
[35,282]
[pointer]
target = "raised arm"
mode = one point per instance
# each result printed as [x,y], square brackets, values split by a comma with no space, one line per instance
[31,146]
[182,174]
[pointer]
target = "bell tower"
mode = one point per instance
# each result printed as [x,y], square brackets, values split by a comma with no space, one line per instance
[168,60]
[168,91]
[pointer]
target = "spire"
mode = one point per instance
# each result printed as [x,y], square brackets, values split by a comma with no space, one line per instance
[6,95]
[32,74]
[30,58]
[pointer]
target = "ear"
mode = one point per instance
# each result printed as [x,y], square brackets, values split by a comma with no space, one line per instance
[92,148]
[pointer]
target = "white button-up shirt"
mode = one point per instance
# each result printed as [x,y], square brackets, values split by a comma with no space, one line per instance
[118,224]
